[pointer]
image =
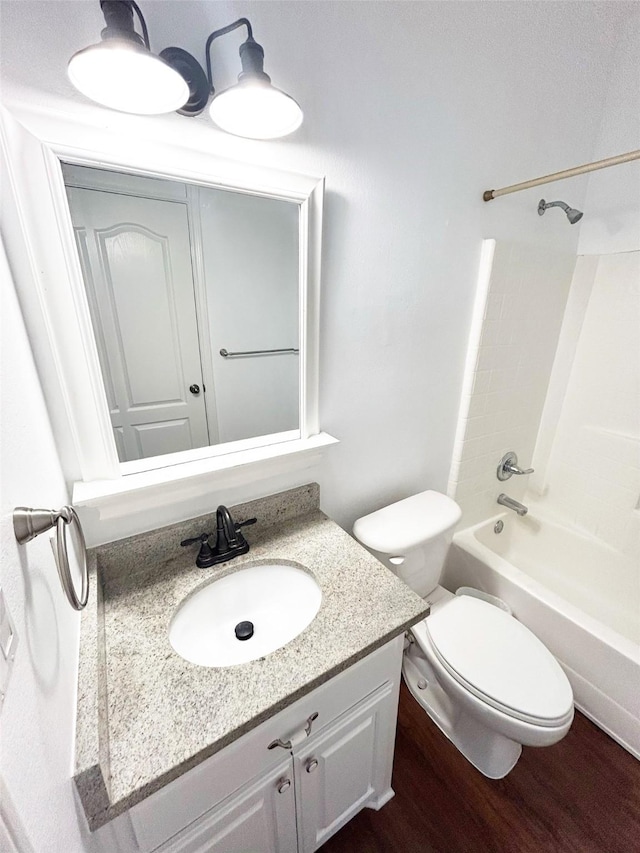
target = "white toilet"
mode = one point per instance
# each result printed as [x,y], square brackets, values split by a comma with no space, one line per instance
[483,677]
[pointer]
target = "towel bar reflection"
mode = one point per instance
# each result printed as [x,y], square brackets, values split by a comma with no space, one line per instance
[226,354]
[29,523]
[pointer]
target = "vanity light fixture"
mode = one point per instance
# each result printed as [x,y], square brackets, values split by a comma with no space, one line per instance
[120,72]
[123,74]
[253,107]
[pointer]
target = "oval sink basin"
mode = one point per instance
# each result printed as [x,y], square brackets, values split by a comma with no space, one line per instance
[278,601]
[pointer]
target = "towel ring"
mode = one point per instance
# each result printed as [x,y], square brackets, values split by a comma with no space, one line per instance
[29,523]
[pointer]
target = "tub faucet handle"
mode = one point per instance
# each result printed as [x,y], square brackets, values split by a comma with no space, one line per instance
[509,466]
[515,470]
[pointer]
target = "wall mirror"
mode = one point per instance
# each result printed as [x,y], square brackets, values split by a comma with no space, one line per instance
[193,293]
[172,302]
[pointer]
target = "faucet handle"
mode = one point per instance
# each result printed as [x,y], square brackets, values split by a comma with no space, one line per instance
[515,470]
[509,466]
[202,538]
[205,554]
[237,525]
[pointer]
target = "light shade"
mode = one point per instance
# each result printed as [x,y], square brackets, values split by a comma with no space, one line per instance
[124,76]
[255,109]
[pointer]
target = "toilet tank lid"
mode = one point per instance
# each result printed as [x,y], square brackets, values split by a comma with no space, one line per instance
[396,528]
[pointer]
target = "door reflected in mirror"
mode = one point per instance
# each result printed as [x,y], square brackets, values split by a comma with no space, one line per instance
[193,293]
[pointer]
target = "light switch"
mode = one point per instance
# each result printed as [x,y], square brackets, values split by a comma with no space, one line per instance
[8,645]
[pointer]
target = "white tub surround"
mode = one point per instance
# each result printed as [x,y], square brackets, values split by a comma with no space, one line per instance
[587,458]
[578,596]
[520,300]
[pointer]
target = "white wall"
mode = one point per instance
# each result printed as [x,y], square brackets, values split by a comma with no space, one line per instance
[36,752]
[411,110]
[612,203]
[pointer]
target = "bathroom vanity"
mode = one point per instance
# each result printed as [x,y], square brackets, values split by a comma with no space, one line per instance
[275,754]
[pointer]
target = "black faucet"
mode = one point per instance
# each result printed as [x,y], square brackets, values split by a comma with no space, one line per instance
[230,542]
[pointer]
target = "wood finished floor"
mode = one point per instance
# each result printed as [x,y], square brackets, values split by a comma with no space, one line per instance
[580,796]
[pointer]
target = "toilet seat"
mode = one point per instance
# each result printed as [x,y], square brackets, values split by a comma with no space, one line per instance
[497,659]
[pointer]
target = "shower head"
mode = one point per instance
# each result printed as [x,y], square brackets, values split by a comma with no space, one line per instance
[573,215]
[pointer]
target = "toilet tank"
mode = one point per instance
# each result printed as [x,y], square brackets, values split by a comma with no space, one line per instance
[411,537]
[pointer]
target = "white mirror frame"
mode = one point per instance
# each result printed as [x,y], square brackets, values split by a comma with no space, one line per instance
[68,359]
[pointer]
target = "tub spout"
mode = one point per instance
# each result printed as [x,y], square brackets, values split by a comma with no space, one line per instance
[516,506]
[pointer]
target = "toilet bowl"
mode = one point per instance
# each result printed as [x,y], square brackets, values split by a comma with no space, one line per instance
[487,681]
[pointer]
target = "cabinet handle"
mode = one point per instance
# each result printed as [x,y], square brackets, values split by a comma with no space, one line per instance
[287,744]
[284,785]
[312,765]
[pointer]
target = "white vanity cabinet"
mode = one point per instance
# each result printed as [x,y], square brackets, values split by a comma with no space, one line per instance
[259,817]
[250,798]
[345,768]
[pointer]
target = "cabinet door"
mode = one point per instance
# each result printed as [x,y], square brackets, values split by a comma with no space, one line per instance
[260,818]
[345,768]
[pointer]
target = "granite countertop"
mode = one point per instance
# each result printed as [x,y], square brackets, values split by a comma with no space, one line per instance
[146,715]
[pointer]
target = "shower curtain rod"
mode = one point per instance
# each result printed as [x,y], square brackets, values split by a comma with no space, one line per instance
[488,195]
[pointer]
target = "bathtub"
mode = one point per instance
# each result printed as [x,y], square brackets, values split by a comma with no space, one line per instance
[580,597]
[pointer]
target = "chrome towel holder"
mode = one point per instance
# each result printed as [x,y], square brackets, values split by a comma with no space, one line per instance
[226,354]
[29,523]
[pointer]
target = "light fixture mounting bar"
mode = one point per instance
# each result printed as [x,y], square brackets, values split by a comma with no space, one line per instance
[241,22]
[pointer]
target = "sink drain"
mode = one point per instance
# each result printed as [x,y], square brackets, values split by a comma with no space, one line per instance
[244,630]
